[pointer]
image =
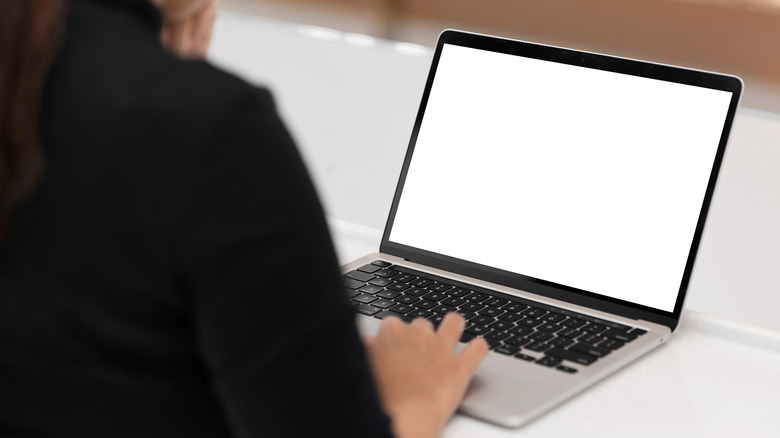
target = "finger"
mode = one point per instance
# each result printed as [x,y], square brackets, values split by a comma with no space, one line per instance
[474,353]
[200,44]
[390,323]
[185,42]
[203,29]
[368,341]
[422,323]
[174,37]
[451,328]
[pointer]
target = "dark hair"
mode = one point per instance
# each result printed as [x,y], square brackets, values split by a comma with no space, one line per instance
[30,35]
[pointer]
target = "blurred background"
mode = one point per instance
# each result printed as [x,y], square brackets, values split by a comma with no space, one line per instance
[740,37]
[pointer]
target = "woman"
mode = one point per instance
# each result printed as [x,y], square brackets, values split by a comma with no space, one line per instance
[157,221]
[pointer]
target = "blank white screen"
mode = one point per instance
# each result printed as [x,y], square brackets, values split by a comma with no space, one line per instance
[581,177]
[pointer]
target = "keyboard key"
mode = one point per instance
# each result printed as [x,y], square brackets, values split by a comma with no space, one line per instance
[501,325]
[619,335]
[514,307]
[570,333]
[366,309]
[386,273]
[465,337]
[385,313]
[612,344]
[419,313]
[538,346]
[522,331]
[422,282]
[483,320]
[405,278]
[589,349]
[493,344]
[517,341]
[566,369]
[497,336]
[369,269]
[381,263]
[638,331]
[458,292]
[561,342]
[389,294]
[574,323]
[359,276]
[440,287]
[491,311]
[541,336]
[525,357]
[471,307]
[476,297]
[407,299]
[554,318]
[534,312]
[478,330]
[590,339]
[402,308]
[350,283]
[529,322]
[370,289]
[444,309]
[593,320]
[425,304]
[507,349]
[453,301]
[613,325]
[352,293]
[435,296]
[549,361]
[383,303]
[436,319]
[416,291]
[364,298]
[398,287]
[549,327]
[496,302]
[572,356]
[594,328]
[379,281]
[510,317]
[466,314]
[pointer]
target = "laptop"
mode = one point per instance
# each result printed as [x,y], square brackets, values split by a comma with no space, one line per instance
[556,199]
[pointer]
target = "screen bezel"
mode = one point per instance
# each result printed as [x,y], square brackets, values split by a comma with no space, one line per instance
[567,56]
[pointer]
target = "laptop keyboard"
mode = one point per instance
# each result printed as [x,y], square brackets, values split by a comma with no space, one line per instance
[512,326]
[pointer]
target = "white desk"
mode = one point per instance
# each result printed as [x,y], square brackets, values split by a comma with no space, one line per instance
[351,110]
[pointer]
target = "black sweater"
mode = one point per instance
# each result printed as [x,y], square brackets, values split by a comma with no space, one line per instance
[172,274]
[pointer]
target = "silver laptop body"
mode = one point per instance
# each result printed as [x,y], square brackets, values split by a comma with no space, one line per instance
[573,180]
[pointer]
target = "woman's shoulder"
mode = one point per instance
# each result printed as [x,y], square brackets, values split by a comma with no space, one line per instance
[197,95]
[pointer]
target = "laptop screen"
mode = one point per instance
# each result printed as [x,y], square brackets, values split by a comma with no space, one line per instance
[577,176]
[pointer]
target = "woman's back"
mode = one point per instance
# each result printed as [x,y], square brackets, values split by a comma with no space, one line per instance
[142,283]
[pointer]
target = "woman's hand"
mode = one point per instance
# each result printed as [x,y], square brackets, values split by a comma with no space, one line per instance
[420,377]
[188,26]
